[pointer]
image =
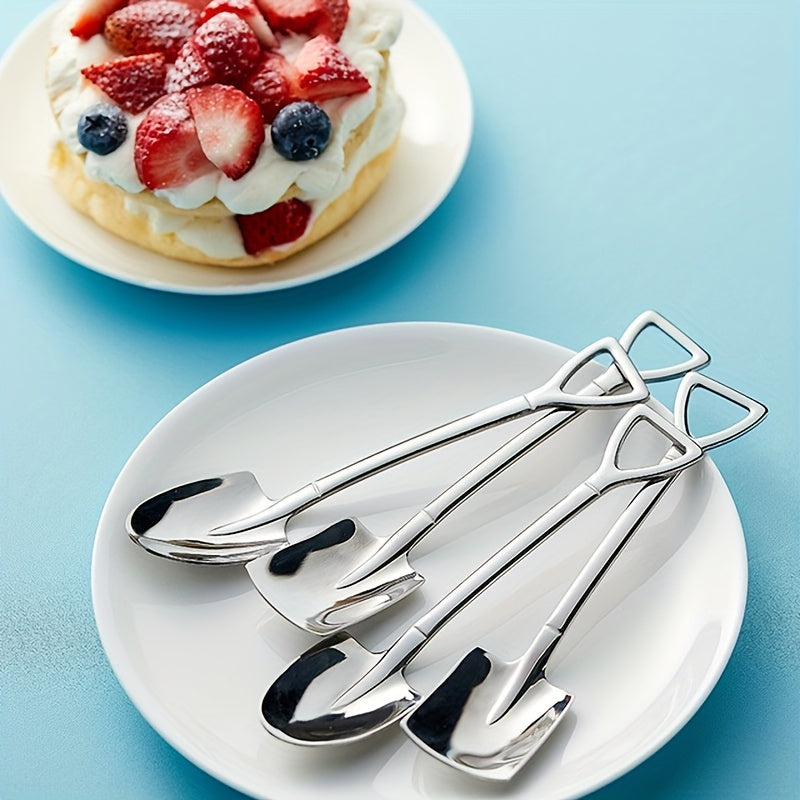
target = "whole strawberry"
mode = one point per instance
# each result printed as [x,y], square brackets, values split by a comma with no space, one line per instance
[272,84]
[248,11]
[228,46]
[151,26]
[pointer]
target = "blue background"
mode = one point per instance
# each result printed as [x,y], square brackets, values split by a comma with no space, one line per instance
[626,155]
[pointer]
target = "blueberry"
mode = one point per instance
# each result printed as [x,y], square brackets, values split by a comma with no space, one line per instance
[301,131]
[102,128]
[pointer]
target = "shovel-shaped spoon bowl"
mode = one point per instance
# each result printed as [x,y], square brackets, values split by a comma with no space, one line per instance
[342,691]
[167,519]
[488,717]
[300,706]
[243,516]
[300,580]
[458,724]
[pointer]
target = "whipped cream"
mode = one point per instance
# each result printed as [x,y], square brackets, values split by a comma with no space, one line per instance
[371,29]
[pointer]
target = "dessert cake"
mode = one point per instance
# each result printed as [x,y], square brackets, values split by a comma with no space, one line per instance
[226,132]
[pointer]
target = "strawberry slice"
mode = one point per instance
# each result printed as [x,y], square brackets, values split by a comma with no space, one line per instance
[273,85]
[188,70]
[294,16]
[167,150]
[133,83]
[279,224]
[333,19]
[152,26]
[228,46]
[91,16]
[229,126]
[248,11]
[324,71]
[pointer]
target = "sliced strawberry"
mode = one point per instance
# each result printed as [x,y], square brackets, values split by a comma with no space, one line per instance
[333,19]
[228,46]
[248,11]
[167,150]
[324,71]
[295,16]
[91,16]
[152,26]
[279,224]
[188,70]
[133,83]
[229,126]
[272,85]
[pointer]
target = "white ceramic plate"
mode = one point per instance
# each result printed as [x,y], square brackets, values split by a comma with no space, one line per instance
[434,141]
[196,647]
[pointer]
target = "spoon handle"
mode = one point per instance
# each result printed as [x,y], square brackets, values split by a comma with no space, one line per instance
[580,497]
[425,520]
[553,394]
[629,388]
[415,637]
[532,663]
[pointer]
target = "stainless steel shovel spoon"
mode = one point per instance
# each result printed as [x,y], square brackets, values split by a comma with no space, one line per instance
[488,716]
[340,691]
[168,517]
[229,520]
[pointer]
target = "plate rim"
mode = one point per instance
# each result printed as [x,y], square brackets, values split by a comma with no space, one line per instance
[159,719]
[69,250]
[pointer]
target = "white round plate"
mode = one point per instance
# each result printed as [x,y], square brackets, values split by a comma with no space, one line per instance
[433,146]
[196,647]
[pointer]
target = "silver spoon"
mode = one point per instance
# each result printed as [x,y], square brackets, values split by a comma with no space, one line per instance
[489,716]
[198,515]
[195,518]
[341,691]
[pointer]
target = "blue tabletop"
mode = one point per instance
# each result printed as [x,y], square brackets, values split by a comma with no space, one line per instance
[626,155]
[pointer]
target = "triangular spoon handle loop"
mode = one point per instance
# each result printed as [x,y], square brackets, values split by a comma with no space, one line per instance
[610,473]
[697,357]
[693,380]
[630,388]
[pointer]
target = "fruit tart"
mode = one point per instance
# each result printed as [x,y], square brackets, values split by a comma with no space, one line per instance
[225,132]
